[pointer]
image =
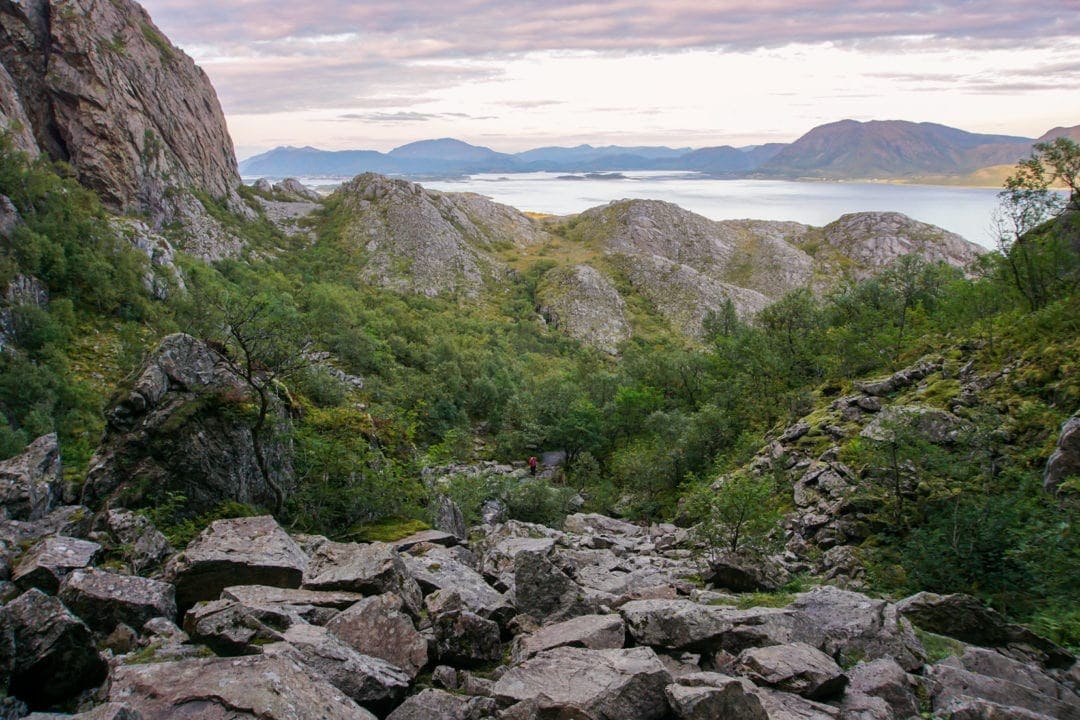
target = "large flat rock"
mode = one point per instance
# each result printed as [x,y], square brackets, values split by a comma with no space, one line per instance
[46,564]
[568,682]
[257,687]
[239,551]
[104,599]
[595,632]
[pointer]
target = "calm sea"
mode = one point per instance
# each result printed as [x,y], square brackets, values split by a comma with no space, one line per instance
[965,211]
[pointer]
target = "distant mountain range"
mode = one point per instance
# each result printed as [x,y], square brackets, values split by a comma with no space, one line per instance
[847,149]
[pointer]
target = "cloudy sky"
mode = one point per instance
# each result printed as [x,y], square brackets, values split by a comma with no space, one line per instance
[511,74]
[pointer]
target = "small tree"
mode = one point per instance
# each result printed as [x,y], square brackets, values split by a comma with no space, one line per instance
[1038,263]
[734,514]
[903,467]
[259,338]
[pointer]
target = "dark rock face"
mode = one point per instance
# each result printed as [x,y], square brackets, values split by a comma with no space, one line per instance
[31,483]
[543,590]
[173,429]
[965,618]
[96,84]
[1065,462]
[464,639]
[746,573]
[52,655]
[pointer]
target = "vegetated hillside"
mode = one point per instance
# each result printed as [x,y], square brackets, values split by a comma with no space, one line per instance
[894,148]
[888,434]
[425,241]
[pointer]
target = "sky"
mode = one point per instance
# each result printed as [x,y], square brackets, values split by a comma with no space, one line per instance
[513,75]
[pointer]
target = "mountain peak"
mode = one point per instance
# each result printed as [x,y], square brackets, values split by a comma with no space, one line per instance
[443,149]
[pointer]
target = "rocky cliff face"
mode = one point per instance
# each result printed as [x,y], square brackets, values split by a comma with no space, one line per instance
[95,83]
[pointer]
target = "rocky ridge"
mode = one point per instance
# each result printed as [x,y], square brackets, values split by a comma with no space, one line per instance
[683,265]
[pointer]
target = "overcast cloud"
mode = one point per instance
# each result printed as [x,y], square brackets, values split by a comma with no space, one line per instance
[407,69]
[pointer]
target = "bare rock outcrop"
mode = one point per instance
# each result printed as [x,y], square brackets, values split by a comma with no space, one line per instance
[31,483]
[172,428]
[584,304]
[98,85]
[875,240]
[13,118]
[1065,462]
[427,242]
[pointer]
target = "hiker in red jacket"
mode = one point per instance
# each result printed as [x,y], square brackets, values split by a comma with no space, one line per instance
[532,465]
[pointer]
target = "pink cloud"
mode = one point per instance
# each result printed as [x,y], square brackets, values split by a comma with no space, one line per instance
[483,26]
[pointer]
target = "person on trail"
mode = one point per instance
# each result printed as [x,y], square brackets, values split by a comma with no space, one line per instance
[532,465]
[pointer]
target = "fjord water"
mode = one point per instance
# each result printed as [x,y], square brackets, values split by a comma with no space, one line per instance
[965,211]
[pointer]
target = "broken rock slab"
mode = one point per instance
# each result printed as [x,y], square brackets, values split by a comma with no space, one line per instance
[238,551]
[46,564]
[104,599]
[625,684]
[380,627]
[595,632]
[370,681]
[796,668]
[371,568]
[248,688]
